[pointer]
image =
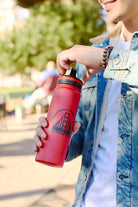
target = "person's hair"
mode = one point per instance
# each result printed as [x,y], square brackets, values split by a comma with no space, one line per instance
[115,32]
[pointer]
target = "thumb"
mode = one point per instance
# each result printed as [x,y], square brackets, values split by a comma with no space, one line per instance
[89,73]
[75,128]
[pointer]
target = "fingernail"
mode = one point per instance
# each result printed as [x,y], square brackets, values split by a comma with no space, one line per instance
[39,145]
[43,135]
[43,124]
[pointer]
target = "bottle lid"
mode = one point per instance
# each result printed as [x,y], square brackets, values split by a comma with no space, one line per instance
[71,79]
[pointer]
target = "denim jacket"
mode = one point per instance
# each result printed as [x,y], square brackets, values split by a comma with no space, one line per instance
[122,67]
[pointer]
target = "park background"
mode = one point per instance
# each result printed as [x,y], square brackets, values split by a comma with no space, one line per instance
[32,33]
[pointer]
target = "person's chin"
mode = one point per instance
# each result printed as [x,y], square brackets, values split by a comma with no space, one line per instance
[113,19]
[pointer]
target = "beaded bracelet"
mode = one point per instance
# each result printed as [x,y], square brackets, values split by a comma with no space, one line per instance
[106,54]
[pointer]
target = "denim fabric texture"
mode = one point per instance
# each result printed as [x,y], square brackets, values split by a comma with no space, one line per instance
[122,67]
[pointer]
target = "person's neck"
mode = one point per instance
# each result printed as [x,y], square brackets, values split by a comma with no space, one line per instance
[129,28]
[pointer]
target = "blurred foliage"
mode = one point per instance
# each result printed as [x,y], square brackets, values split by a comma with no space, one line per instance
[51,28]
[16,89]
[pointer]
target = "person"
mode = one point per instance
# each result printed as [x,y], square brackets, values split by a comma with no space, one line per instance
[45,87]
[107,136]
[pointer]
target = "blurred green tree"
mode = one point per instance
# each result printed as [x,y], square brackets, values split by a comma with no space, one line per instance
[51,28]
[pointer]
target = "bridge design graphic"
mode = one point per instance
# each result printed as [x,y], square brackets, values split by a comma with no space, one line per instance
[63,125]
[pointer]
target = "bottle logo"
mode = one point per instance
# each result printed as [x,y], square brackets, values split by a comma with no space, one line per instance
[62,122]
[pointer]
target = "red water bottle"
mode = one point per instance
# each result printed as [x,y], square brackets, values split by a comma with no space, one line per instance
[61,116]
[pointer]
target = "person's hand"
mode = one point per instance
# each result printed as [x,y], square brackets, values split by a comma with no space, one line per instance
[89,56]
[40,134]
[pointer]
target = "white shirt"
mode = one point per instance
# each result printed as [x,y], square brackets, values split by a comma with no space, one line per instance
[102,187]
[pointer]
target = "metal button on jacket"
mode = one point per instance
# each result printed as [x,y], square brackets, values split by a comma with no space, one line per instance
[117,59]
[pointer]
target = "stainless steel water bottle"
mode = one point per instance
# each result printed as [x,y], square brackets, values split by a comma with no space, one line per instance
[61,116]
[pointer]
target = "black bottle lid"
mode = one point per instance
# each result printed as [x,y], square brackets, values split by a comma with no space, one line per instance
[71,79]
[73,73]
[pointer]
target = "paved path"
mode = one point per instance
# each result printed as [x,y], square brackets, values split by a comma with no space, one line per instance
[26,183]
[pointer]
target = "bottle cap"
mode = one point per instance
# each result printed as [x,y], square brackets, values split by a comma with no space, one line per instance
[71,79]
[73,73]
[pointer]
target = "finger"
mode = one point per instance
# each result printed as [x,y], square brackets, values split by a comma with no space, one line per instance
[37,141]
[40,132]
[76,127]
[43,122]
[61,64]
[35,149]
[89,73]
[64,61]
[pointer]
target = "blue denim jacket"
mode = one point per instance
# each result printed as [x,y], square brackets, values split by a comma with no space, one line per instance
[123,67]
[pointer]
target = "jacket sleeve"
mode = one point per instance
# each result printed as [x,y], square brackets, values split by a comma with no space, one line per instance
[76,144]
[123,67]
